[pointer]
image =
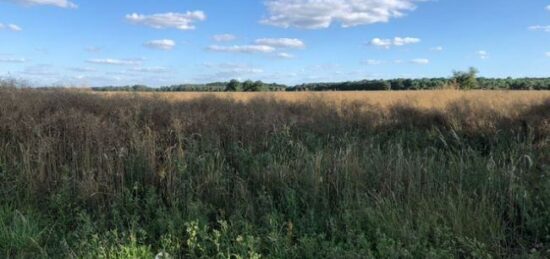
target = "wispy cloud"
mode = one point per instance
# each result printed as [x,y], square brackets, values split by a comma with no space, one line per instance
[264,46]
[39,70]
[164,44]
[242,48]
[83,69]
[417,61]
[10,27]
[374,62]
[118,62]
[224,37]
[420,61]
[149,69]
[437,49]
[395,42]
[56,3]
[544,28]
[180,21]
[12,60]
[285,55]
[281,42]
[483,54]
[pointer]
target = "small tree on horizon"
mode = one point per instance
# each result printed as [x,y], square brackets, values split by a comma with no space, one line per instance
[250,86]
[466,80]
[233,86]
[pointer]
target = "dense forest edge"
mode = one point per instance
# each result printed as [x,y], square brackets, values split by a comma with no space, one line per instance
[459,80]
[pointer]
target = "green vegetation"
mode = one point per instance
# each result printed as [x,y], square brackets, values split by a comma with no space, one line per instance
[82,176]
[466,80]
[231,86]
[460,80]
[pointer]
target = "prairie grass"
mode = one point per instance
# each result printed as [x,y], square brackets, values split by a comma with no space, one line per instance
[427,174]
[382,99]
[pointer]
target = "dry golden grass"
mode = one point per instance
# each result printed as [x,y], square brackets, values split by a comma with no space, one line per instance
[421,99]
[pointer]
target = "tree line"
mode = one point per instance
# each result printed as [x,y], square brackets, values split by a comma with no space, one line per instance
[465,80]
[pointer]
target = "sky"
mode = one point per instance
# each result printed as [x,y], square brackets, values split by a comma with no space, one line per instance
[165,42]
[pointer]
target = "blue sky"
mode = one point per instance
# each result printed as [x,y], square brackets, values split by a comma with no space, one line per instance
[163,42]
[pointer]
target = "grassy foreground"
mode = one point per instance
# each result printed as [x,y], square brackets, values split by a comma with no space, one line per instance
[130,176]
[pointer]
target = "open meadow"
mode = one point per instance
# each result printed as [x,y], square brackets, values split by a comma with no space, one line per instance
[439,99]
[412,174]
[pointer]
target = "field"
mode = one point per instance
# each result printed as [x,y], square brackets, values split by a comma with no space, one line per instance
[420,174]
[438,99]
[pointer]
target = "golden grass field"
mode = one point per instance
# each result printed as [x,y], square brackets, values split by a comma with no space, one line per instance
[429,99]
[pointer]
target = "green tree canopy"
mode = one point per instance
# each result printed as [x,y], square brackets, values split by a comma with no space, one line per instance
[466,80]
[233,86]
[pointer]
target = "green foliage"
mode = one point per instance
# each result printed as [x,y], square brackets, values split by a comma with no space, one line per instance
[460,79]
[249,86]
[113,245]
[233,86]
[20,234]
[466,80]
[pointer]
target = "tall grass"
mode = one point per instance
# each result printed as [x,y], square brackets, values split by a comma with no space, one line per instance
[130,176]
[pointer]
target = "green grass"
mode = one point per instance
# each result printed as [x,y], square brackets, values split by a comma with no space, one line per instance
[86,177]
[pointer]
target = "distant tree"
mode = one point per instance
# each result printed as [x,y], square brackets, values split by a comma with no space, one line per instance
[140,88]
[397,84]
[258,86]
[466,80]
[233,86]
[249,86]
[9,83]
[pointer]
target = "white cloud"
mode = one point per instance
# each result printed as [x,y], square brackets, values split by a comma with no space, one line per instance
[483,54]
[243,48]
[438,49]
[11,27]
[544,28]
[119,62]
[180,21]
[12,60]
[163,44]
[56,3]
[14,27]
[420,61]
[263,46]
[317,14]
[281,42]
[285,55]
[224,37]
[395,42]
